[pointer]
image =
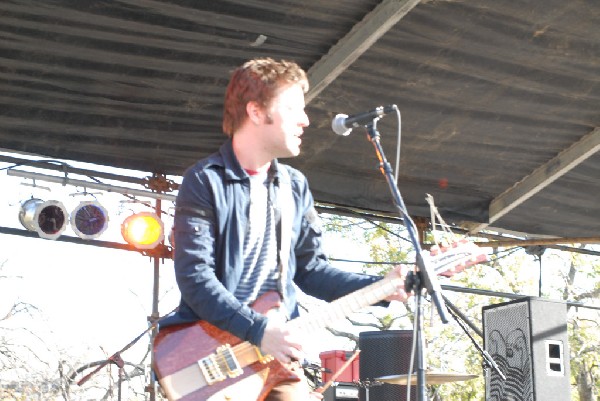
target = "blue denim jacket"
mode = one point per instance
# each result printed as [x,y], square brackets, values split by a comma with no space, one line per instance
[211,218]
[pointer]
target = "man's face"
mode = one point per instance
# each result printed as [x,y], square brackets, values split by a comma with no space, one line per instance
[284,122]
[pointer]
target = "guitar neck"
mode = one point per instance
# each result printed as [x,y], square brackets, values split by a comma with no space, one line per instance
[344,306]
[446,261]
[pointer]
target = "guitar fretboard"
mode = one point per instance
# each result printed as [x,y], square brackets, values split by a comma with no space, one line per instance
[445,261]
[344,306]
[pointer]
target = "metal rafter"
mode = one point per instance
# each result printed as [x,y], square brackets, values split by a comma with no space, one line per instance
[360,38]
[541,177]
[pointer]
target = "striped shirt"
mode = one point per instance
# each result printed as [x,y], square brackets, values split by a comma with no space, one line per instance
[260,245]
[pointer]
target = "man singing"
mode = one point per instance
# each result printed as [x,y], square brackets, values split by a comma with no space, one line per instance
[246,225]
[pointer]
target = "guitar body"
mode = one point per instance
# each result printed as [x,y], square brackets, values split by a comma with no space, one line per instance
[179,349]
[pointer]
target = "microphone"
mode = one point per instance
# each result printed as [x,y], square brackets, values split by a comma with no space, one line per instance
[343,124]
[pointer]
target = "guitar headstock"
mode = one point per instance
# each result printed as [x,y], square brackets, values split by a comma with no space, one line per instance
[450,258]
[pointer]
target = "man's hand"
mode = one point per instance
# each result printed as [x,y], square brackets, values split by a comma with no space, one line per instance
[279,342]
[398,272]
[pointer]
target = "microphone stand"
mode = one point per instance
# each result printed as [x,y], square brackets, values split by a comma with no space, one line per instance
[424,277]
[116,359]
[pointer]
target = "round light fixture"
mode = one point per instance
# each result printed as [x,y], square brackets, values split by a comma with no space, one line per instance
[89,220]
[48,218]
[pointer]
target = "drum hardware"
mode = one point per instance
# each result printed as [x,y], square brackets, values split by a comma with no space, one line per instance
[432,378]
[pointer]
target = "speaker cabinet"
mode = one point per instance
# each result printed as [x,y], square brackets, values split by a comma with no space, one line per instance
[384,353]
[528,340]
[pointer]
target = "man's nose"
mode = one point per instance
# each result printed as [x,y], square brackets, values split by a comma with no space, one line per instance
[304,121]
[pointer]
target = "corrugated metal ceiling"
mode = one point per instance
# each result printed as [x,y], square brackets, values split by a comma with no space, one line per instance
[499,99]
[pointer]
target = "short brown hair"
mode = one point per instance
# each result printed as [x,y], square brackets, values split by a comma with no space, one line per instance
[257,80]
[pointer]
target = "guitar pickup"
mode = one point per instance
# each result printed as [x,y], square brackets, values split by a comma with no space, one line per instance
[220,365]
[229,361]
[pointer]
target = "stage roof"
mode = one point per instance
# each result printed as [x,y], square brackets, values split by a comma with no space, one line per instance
[499,100]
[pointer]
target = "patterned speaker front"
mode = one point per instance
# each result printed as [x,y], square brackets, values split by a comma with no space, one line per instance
[507,341]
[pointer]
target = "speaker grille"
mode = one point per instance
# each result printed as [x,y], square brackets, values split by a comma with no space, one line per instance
[528,339]
[385,353]
[507,342]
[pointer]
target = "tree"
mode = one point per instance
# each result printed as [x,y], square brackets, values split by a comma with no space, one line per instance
[567,276]
[581,284]
[33,368]
[20,348]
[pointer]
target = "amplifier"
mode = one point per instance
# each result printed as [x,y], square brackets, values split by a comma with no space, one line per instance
[342,392]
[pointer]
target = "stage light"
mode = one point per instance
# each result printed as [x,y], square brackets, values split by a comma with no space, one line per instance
[143,230]
[48,218]
[89,220]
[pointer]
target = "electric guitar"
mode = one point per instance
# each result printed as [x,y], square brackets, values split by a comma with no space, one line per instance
[198,361]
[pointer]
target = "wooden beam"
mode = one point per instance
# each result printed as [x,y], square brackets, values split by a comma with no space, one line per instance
[541,177]
[538,241]
[360,38]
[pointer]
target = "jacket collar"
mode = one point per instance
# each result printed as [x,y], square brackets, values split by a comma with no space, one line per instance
[233,169]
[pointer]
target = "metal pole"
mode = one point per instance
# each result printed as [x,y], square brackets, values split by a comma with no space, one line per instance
[154,316]
[90,184]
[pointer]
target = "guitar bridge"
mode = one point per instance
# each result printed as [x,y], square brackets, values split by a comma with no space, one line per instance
[210,369]
[220,365]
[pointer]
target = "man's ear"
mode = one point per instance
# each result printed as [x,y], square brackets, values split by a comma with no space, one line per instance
[255,112]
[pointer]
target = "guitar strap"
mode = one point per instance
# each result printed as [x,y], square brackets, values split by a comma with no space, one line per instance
[284,214]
